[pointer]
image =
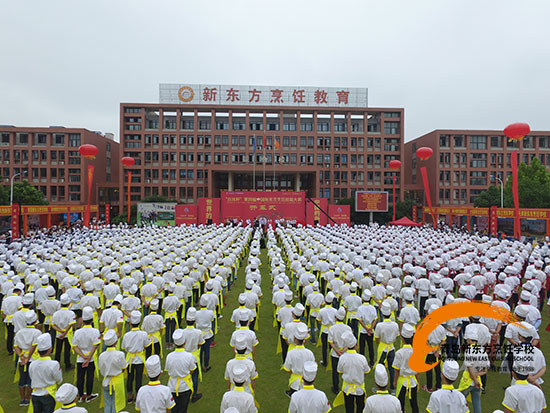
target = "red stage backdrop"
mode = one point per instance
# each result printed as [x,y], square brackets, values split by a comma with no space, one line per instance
[339,213]
[254,204]
[314,214]
[209,209]
[186,214]
[371,201]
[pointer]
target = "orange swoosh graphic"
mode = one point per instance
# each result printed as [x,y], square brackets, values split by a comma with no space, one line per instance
[448,312]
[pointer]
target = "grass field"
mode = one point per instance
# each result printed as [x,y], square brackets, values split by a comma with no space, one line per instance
[272,381]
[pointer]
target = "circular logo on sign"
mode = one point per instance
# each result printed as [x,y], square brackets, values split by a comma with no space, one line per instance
[186,94]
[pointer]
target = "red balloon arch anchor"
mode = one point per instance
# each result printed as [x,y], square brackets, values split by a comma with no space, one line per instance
[425,153]
[89,152]
[127,161]
[516,132]
[395,165]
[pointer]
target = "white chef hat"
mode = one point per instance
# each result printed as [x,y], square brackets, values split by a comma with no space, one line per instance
[30,317]
[66,394]
[298,309]
[179,337]
[366,295]
[44,342]
[341,313]
[385,308]
[239,374]
[349,339]
[523,365]
[191,314]
[152,365]
[288,295]
[240,342]
[65,299]
[309,371]
[110,338]
[302,332]
[521,310]
[450,369]
[135,317]
[87,313]
[407,331]
[380,375]
[154,304]
[28,299]
[118,299]
[329,298]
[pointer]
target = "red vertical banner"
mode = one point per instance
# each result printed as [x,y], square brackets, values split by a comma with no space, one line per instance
[517,221]
[394,196]
[414,213]
[14,221]
[209,210]
[339,213]
[129,196]
[90,182]
[107,214]
[493,220]
[313,213]
[426,183]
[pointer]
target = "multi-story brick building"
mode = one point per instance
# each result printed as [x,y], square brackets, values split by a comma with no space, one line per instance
[202,139]
[466,162]
[49,159]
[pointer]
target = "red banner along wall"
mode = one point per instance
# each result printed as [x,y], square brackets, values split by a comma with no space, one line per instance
[271,205]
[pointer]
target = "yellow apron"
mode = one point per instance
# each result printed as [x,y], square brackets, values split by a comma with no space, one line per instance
[381,349]
[187,379]
[117,385]
[323,328]
[25,354]
[51,391]
[405,380]
[158,336]
[197,354]
[466,381]
[339,400]
[173,316]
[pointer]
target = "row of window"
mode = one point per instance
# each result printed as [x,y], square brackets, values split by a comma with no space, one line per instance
[482,160]
[258,157]
[482,142]
[390,128]
[135,141]
[38,139]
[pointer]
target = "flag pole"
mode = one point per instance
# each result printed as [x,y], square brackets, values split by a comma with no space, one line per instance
[273,184]
[254,158]
[265,144]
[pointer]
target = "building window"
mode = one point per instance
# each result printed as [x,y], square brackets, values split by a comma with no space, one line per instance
[496,141]
[74,139]
[478,178]
[444,141]
[478,142]
[132,110]
[478,160]
[306,126]
[273,126]
[256,126]
[459,141]
[289,126]
[391,128]
[4,138]
[323,126]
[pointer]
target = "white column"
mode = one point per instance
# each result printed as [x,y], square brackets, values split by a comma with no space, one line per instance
[297,183]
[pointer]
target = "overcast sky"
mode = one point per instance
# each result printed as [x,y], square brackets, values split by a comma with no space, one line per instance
[465,64]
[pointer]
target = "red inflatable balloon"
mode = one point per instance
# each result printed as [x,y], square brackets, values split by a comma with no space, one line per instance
[517,131]
[88,151]
[127,161]
[424,153]
[395,164]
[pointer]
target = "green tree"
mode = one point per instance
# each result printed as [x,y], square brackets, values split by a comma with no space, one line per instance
[23,194]
[488,198]
[533,189]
